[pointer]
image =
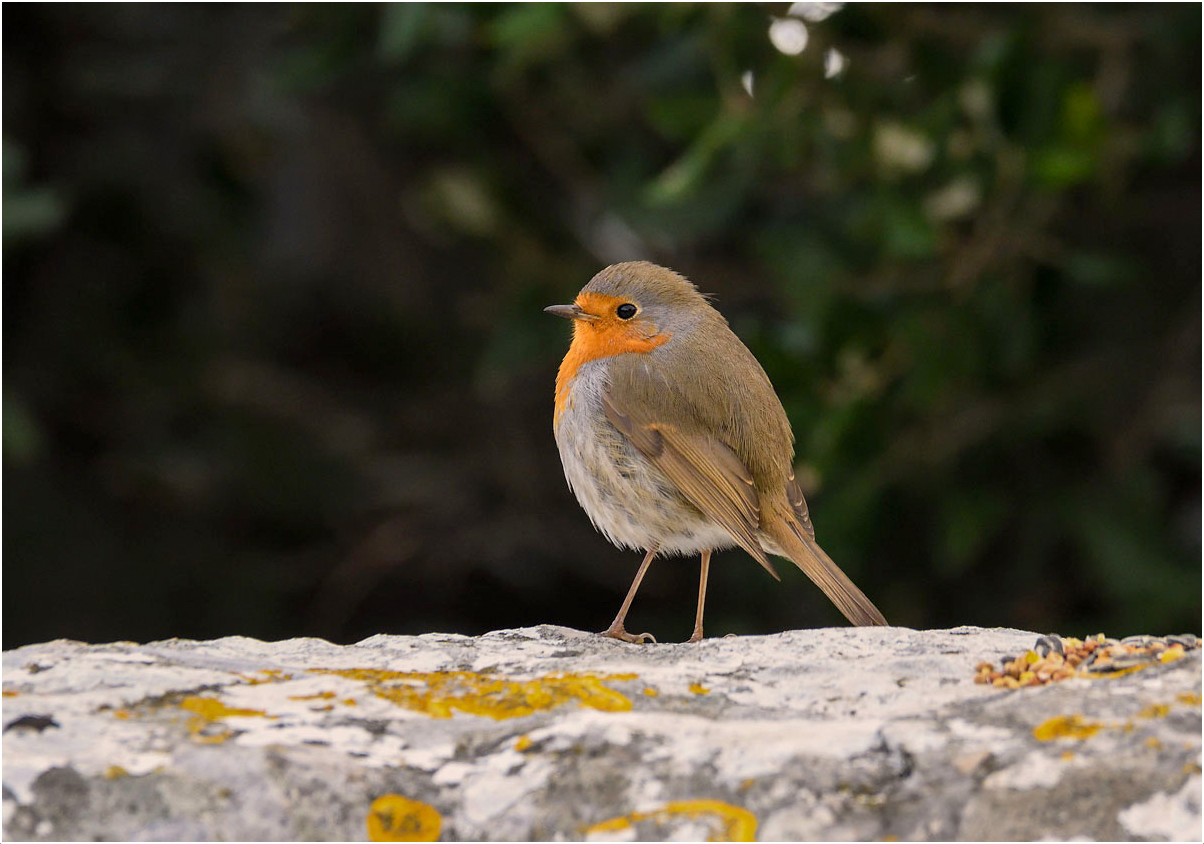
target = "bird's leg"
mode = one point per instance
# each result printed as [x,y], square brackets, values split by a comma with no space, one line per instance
[616,630]
[702,596]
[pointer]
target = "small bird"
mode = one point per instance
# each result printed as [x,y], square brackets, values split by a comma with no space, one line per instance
[673,439]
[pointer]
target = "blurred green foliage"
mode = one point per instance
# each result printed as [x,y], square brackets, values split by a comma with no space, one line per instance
[275,360]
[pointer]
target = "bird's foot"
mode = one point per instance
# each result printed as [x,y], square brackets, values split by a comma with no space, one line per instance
[617,631]
[696,637]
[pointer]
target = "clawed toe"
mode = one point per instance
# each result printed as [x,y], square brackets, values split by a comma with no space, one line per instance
[621,634]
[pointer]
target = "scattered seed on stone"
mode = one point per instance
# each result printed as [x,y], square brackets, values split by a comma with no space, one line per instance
[1054,658]
[1049,644]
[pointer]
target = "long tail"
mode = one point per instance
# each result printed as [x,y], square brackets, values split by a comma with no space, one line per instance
[805,553]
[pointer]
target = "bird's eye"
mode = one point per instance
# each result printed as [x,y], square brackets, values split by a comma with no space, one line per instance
[625,311]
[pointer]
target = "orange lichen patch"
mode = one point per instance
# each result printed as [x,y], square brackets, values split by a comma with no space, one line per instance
[1113,674]
[523,743]
[114,772]
[1066,726]
[1153,743]
[1189,698]
[1155,710]
[211,709]
[440,693]
[208,711]
[318,696]
[1067,755]
[1078,727]
[392,817]
[270,675]
[651,692]
[8,693]
[699,689]
[122,714]
[728,822]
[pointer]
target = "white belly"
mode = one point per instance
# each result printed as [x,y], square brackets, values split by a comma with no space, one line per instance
[625,496]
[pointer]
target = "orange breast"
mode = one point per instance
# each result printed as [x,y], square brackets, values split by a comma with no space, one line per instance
[603,337]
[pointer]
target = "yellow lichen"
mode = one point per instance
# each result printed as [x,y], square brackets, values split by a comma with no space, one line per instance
[115,772]
[211,709]
[729,823]
[699,689]
[270,675]
[207,711]
[651,692]
[1111,675]
[523,743]
[1078,727]
[317,696]
[392,817]
[441,693]
[1066,726]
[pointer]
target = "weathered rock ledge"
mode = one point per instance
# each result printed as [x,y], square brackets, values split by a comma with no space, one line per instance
[549,733]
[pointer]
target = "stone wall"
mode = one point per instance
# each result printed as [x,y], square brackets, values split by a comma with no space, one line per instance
[549,733]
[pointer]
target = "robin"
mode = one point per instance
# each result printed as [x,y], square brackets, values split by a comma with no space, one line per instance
[673,439]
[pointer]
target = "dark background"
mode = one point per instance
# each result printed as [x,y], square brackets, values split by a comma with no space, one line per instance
[275,361]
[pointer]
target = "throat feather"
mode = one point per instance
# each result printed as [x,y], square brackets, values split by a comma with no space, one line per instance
[591,344]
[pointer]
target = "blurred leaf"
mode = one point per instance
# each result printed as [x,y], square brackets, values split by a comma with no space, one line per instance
[1175,132]
[1082,119]
[1136,572]
[1099,268]
[907,232]
[461,198]
[1061,166]
[970,520]
[401,30]
[524,32]
[29,212]
[681,117]
[23,439]
[686,174]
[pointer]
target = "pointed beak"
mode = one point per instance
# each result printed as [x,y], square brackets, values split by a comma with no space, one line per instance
[568,311]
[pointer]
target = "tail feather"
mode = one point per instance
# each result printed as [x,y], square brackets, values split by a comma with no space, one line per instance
[804,552]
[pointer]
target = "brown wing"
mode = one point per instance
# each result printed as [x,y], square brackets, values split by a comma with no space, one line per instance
[706,471]
[794,495]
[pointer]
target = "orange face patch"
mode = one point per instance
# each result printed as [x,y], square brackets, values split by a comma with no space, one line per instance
[601,333]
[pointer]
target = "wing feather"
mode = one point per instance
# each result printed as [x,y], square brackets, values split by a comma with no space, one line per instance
[708,473]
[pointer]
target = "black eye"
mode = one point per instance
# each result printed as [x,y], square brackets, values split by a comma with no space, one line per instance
[625,311]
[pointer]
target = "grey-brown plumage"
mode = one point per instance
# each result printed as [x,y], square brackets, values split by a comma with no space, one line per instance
[702,445]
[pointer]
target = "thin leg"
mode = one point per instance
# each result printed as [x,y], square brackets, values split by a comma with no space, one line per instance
[702,596]
[616,630]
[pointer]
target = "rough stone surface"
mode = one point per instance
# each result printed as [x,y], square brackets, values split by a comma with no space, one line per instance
[549,733]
